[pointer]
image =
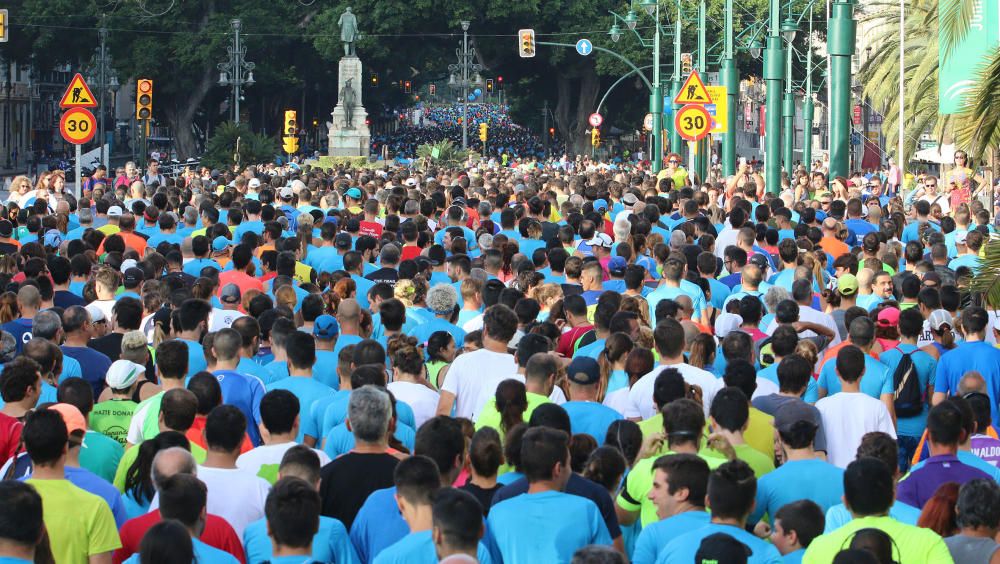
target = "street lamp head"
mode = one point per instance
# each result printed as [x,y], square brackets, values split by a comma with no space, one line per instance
[649,6]
[465,25]
[615,32]
[631,19]
[250,79]
[788,29]
[755,48]
[223,78]
[113,83]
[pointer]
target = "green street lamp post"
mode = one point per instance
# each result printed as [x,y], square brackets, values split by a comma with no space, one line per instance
[842,37]
[730,79]
[807,106]
[774,75]
[788,29]
[701,158]
[675,84]
[652,9]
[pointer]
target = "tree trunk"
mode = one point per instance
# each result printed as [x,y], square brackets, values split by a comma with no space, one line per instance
[572,124]
[181,117]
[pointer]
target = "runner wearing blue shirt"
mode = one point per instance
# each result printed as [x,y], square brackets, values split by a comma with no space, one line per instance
[545,524]
[330,543]
[301,351]
[441,301]
[586,414]
[672,474]
[731,491]
[240,390]
[292,512]
[973,354]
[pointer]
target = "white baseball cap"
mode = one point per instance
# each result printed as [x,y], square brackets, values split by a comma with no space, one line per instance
[601,240]
[123,373]
[96,313]
[254,183]
[115,211]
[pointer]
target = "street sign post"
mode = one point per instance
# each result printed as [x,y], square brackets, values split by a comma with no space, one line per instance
[78,126]
[584,47]
[595,119]
[693,91]
[78,95]
[693,122]
[718,109]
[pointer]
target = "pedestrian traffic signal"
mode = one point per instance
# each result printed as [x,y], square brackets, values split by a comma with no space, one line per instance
[290,144]
[432,89]
[143,98]
[595,137]
[483,130]
[3,25]
[407,86]
[526,43]
[291,125]
[499,83]
[489,85]
[374,79]
[552,132]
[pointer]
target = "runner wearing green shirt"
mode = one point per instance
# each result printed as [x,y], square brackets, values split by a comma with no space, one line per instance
[869,492]
[177,411]
[113,417]
[539,379]
[683,421]
[171,368]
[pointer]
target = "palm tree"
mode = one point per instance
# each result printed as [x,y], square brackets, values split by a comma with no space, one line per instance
[929,28]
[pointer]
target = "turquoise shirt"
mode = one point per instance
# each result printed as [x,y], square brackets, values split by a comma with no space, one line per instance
[331,543]
[659,534]
[682,549]
[418,548]
[306,389]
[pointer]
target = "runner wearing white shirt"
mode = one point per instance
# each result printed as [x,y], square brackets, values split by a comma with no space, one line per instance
[669,340]
[236,495]
[407,366]
[474,376]
[281,425]
[849,414]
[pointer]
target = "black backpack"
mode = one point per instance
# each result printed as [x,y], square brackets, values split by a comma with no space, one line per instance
[908,398]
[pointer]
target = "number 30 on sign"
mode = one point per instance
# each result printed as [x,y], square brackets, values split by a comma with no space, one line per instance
[693,122]
[77,126]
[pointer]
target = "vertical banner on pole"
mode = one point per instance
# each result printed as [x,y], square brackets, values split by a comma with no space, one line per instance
[958,70]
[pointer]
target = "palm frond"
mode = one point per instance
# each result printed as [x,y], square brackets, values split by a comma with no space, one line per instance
[979,123]
[953,22]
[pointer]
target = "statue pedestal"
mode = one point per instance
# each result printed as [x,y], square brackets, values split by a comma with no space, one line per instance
[353,140]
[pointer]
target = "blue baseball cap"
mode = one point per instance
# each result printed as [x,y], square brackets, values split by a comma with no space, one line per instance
[617,266]
[220,243]
[600,205]
[354,193]
[326,327]
[53,238]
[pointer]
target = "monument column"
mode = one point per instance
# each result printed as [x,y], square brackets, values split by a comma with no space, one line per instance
[348,131]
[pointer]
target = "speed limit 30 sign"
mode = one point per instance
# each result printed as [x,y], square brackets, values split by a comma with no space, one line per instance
[693,122]
[77,126]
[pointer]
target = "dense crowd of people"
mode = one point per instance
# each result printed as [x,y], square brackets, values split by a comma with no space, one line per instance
[507,142]
[497,364]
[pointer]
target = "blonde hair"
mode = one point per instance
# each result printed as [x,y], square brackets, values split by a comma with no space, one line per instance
[285,296]
[134,347]
[405,291]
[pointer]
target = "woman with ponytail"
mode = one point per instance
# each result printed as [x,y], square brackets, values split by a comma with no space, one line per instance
[409,385]
[511,402]
[441,352]
[612,363]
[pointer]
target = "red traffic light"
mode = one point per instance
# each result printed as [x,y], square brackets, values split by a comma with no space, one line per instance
[552,131]
[499,79]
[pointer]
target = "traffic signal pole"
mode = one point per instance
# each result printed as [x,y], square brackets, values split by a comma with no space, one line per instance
[842,36]
[675,86]
[774,74]
[656,102]
[701,158]
[807,107]
[731,80]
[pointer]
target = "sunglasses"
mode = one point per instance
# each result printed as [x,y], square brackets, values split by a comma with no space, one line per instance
[930,185]
[672,161]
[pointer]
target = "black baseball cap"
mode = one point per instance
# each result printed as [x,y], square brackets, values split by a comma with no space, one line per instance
[583,370]
[343,241]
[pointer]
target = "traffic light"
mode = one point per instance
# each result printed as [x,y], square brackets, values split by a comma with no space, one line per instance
[552,132]
[489,85]
[499,83]
[407,86]
[374,80]
[3,25]
[595,137]
[483,129]
[143,98]
[290,142]
[432,89]
[526,43]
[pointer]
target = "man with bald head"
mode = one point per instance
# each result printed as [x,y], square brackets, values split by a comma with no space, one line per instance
[830,243]
[218,533]
[29,301]
[349,317]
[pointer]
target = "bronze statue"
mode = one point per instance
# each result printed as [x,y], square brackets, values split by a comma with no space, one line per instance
[348,100]
[349,33]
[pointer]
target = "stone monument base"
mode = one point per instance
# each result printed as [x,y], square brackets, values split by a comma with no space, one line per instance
[352,140]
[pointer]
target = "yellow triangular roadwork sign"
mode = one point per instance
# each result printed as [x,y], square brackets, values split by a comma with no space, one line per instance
[693,91]
[78,95]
